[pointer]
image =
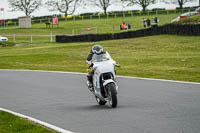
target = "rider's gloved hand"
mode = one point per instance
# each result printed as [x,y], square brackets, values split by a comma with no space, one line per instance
[91,65]
[117,64]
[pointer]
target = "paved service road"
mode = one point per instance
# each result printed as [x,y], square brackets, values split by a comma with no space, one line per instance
[62,99]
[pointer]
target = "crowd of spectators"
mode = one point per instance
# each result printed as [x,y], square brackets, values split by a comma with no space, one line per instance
[147,22]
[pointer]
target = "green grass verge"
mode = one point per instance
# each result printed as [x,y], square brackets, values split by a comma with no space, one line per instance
[166,57]
[12,124]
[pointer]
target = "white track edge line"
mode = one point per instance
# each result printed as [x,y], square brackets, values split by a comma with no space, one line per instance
[37,121]
[163,80]
[129,77]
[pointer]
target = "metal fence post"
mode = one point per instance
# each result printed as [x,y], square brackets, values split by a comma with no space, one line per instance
[14,38]
[113,28]
[31,38]
[51,37]
[124,16]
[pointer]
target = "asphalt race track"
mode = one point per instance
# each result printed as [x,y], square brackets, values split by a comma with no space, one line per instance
[62,99]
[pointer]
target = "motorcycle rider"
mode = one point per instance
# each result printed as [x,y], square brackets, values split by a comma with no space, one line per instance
[96,49]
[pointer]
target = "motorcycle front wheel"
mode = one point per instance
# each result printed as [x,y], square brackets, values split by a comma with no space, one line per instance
[112,95]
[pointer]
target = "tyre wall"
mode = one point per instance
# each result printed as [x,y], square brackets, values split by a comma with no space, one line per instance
[187,29]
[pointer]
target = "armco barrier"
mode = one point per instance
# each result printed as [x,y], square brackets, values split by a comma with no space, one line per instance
[187,29]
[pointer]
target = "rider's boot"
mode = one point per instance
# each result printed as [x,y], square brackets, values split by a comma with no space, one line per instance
[89,83]
[90,86]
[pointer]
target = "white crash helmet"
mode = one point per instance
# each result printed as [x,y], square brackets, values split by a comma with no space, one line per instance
[97,49]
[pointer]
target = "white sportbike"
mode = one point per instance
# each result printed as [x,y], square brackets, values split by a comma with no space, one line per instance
[104,79]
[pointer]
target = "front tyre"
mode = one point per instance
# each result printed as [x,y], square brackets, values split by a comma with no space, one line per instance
[112,95]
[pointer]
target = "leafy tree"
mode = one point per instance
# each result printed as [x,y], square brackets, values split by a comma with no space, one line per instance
[143,3]
[68,7]
[27,6]
[103,4]
[178,2]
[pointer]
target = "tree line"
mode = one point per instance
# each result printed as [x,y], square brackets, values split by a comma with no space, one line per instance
[68,7]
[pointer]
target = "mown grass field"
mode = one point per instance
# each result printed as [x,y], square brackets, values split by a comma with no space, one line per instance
[13,124]
[104,25]
[165,57]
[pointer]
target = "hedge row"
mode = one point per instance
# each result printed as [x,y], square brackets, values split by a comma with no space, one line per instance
[190,29]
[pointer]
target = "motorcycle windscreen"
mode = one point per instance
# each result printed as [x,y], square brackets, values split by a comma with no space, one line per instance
[101,57]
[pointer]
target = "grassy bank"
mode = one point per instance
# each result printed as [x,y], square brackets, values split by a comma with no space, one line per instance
[110,25]
[13,124]
[39,33]
[166,57]
[190,20]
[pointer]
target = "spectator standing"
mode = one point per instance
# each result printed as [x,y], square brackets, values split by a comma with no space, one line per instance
[144,22]
[129,26]
[148,22]
[156,20]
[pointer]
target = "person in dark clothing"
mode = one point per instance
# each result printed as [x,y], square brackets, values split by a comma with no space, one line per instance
[148,22]
[156,20]
[129,26]
[144,22]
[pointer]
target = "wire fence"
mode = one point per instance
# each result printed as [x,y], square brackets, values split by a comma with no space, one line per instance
[129,17]
[22,38]
[101,16]
[116,15]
